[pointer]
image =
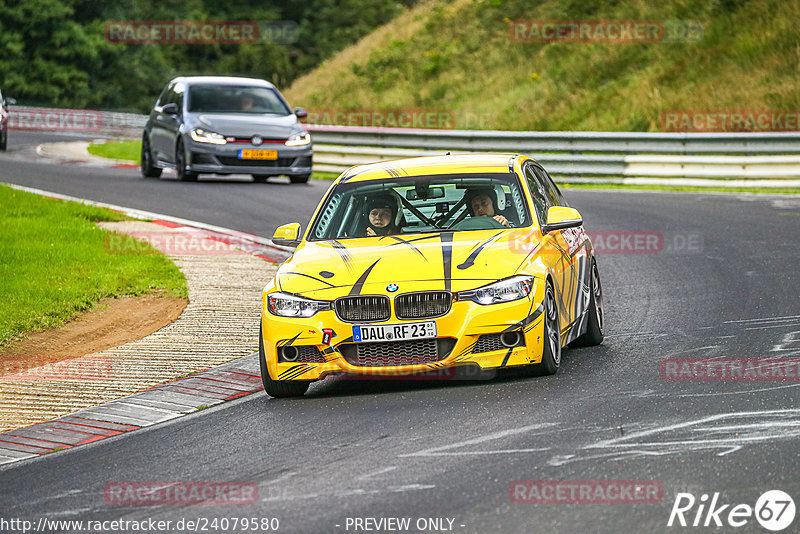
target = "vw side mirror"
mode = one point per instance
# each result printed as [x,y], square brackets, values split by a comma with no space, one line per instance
[170,109]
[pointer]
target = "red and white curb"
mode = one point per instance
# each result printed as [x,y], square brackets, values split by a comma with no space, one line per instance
[161,403]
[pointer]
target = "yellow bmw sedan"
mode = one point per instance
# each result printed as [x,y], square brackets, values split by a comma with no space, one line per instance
[426,264]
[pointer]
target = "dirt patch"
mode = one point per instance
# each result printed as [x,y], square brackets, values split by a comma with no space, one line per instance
[111,323]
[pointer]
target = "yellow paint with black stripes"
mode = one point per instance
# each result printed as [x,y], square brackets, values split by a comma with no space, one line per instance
[441,285]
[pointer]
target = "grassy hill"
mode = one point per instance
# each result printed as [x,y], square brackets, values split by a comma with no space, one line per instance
[459,56]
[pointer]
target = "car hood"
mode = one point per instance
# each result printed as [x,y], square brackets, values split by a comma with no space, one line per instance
[453,261]
[242,125]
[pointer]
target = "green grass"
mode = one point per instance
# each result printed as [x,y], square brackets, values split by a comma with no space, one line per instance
[130,150]
[55,263]
[457,56]
[124,150]
[319,175]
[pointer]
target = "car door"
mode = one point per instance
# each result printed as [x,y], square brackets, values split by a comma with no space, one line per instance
[580,252]
[173,123]
[157,132]
[559,245]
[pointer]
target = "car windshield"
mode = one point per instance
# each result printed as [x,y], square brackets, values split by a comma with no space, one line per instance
[419,204]
[236,99]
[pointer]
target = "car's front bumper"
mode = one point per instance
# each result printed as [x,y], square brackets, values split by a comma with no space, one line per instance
[224,159]
[465,323]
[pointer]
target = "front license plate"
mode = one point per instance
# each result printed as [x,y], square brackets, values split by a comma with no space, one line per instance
[249,153]
[394,332]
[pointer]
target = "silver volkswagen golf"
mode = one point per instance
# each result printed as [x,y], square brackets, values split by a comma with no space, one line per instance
[225,125]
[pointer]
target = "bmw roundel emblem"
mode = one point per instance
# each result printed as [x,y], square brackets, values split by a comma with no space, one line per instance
[391,288]
[256,140]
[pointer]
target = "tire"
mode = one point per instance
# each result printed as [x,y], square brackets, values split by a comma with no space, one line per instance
[4,141]
[147,165]
[278,388]
[260,178]
[180,165]
[594,327]
[551,351]
[299,178]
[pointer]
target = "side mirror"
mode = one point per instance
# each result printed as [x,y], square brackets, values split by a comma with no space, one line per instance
[301,113]
[287,235]
[170,109]
[559,218]
[11,102]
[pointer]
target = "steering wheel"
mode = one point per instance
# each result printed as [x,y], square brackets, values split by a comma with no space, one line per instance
[477,223]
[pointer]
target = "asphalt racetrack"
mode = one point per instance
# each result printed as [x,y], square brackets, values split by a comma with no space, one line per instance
[722,284]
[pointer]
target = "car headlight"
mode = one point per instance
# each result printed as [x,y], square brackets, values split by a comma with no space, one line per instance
[299,139]
[204,136]
[513,288]
[287,305]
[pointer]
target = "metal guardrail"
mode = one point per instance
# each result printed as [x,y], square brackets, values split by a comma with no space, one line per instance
[735,159]
[337,158]
[580,142]
[763,159]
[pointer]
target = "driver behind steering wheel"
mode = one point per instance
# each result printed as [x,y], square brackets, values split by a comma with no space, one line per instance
[483,203]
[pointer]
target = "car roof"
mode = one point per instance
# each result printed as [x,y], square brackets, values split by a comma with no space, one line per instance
[431,165]
[223,80]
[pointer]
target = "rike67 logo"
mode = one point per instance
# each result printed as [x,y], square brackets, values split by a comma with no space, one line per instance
[774,510]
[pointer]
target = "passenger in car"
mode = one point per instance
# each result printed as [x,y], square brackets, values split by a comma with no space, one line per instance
[483,203]
[382,215]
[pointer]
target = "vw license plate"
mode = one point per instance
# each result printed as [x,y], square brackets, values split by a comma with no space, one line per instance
[250,153]
[394,332]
